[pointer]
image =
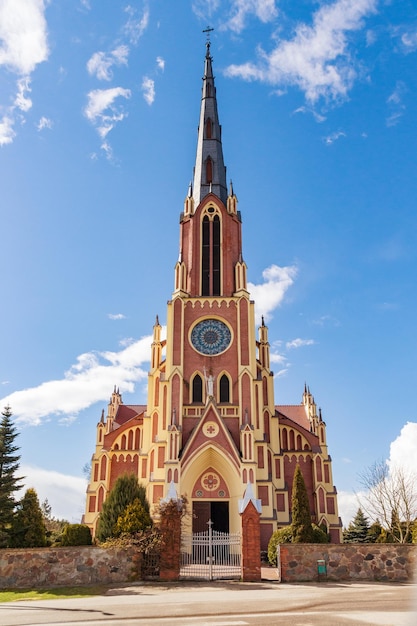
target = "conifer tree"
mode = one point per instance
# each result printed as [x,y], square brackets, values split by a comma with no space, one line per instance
[133,519]
[9,482]
[302,529]
[125,491]
[358,529]
[28,530]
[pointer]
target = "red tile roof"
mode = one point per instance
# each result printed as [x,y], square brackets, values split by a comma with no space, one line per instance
[126,412]
[295,412]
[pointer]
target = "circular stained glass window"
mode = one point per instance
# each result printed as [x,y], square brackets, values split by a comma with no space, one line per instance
[211,337]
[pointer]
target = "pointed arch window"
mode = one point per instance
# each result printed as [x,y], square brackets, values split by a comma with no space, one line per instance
[224,389]
[197,389]
[209,170]
[211,256]
[208,128]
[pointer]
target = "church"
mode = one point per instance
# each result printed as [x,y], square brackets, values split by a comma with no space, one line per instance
[211,429]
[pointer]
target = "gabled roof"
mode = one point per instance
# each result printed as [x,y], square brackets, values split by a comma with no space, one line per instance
[126,412]
[212,432]
[295,412]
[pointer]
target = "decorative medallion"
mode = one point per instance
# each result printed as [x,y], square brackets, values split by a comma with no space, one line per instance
[210,481]
[210,429]
[211,337]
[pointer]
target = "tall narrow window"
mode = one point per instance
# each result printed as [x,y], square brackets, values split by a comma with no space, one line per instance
[211,255]
[209,170]
[205,269]
[197,389]
[216,256]
[224,389]
[208,128]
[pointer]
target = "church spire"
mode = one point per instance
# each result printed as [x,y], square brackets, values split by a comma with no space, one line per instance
[209,171]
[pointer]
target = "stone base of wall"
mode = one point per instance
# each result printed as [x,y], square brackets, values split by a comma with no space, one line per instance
[376,561]
[53,567]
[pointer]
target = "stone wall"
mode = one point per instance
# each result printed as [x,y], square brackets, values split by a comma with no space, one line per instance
[84,565]
[376,561]
[53,567]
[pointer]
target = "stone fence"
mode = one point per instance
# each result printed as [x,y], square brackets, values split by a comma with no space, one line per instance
[54,567]
[337,562]
[86,565]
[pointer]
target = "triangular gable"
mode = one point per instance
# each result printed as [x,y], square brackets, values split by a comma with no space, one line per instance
[210,431]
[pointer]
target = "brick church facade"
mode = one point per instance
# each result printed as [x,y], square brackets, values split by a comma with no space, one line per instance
[211,426]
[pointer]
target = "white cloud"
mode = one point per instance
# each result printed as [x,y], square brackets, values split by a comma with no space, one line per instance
[100,63]
[116,316]
[326,319]
[23,35]
[348,504]
[101,99]
[409,41]
[102,112]
[65,494]
[264,10]
[160,62]
[333,137]
[403,449]
[402,455]
[395,104]
[22,102]
[23,45]
[148,88]
[270,294]
[299,343]
[135,27]
[317,60]
[7,134]
[86,382]
[204,9]
[317,116]
[44,122]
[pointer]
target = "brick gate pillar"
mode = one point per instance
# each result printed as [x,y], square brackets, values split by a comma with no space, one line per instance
[250,510]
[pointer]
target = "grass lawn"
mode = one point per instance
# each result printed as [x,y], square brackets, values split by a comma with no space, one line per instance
[52,594]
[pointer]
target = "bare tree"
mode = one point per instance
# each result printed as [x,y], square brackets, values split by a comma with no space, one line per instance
[390,498]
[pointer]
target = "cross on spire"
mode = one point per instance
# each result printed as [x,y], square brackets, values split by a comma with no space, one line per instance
[208,30]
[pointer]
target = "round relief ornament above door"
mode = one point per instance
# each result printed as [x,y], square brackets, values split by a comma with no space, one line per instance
[211,337]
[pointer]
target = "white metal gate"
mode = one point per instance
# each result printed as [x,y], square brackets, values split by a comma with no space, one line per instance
[211,554]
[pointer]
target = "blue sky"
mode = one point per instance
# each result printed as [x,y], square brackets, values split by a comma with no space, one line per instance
[99,104]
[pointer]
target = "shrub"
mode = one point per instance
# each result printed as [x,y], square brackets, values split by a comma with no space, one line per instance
[134,518]
[76,535]
[282,535]
[28,529]
[125,491]
[319,535]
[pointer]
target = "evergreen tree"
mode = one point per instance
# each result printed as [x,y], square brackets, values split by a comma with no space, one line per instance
[125,491]
[358,529]
[302,529]
[133,519]
[9,483]
[28,530]
[374,532]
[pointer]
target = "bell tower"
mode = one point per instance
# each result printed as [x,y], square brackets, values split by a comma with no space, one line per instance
[215,397]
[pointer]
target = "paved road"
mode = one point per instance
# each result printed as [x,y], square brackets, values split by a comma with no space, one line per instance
[227,604]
